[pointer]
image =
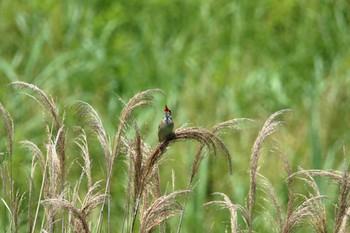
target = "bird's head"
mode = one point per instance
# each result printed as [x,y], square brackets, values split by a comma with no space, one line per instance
[167,111]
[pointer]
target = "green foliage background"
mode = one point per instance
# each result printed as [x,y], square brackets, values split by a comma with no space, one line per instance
[215,60]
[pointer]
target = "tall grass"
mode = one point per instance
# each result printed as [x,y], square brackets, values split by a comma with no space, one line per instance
[66,202]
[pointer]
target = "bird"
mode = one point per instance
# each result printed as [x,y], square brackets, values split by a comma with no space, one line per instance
[166,126]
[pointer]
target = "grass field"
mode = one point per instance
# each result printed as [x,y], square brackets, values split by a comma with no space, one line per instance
[214,61]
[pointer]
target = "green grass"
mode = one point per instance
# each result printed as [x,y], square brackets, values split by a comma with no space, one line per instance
[214,60]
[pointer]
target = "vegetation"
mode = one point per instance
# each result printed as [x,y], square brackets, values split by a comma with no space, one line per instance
[100,72]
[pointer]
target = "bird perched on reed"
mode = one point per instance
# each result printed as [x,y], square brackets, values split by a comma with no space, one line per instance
[166,125]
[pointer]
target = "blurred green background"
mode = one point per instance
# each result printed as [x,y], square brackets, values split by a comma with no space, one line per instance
[215,60]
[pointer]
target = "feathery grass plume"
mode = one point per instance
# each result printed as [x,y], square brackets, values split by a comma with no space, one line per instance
[30,194]
[129,184]
[152,192]
[343,200]
[38,155]
[93,198]
[135,150]
[344,224]
[91,201]
[136,160]
[270,191]
[312,209]
[199,157]
[43,191]
[161,209]
[269,127]
[47,103]
[82,143]
[9,129]
[141,99]
[155,192]
[343,204]
[79,226]
[74,196]
[318,219]
[333,175]
[233,208]
[49,106]
[52,190]
[203,136]
[230,124]
[9,132]
[195,133]
[288,170]
[17,210]
[308,210]
[51,187]
[199,134]
[87,113]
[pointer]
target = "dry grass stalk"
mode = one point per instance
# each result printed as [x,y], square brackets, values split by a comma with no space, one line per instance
[201,135]
[52,189]
[199,156]
[307,209]
[50,107]
[31,193]
[269,190]
[269,127]
[161,209]
[37,157]
[17,210]
[141,99]
[46,102]
[230,124]
[9,129]
[312,209]
[344,193]
[288,170]
[79,226]
[82,143]
[134,150]
[343,201]
[344,222]
[37,154]
[129,152]
[41,193]
[91,201]
[333,175]
[87,113]
[233,208]
[9,132]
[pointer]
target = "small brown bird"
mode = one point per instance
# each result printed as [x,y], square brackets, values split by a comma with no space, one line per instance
[166,125]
